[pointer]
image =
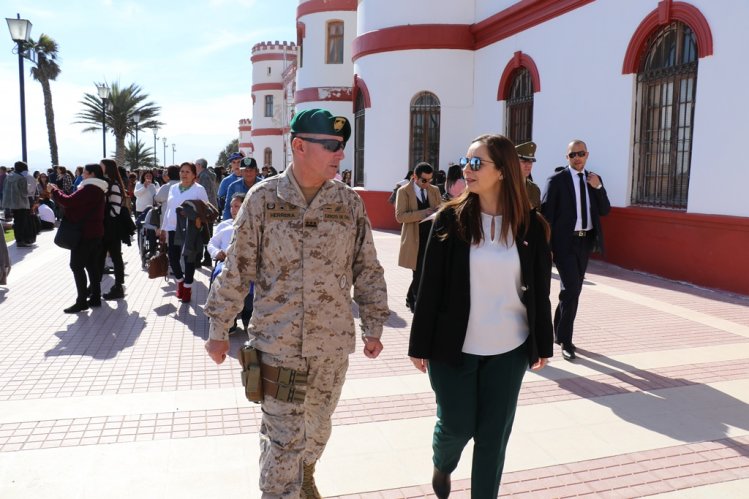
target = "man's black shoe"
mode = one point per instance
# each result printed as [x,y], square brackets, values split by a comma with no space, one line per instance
[568,351]
[93,302]
[115,293]
[441,484]
[78,307]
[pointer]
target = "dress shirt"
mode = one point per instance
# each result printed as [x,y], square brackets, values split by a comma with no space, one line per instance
[576,183]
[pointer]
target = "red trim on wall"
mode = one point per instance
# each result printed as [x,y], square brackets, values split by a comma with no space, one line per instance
[360,87]
[701,249]
[267,131]
[519,17]
[245,144]
[323,94]
[290,56]
[314,6]
[519,60]
[245,128]
[267,86]
[411,37]
[666,12]
[381,213]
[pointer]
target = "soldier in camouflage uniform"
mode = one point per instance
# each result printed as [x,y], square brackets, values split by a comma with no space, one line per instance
[305,240]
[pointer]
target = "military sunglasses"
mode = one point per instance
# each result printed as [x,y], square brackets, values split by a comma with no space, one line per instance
[330,145]
[473,163]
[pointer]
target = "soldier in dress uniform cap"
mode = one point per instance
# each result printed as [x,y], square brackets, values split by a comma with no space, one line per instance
[527,156]
[305,240]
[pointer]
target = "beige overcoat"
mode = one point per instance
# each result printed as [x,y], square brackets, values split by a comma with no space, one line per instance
[407,212]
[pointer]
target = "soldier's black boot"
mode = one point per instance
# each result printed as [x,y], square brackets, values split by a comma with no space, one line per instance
[309,489]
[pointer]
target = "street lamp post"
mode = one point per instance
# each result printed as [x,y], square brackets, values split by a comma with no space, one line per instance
[136,119]
[174,149]
[20,30]
[103,90]
[164,139]
[155,161]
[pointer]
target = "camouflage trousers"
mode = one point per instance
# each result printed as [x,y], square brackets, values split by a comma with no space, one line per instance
[295,433]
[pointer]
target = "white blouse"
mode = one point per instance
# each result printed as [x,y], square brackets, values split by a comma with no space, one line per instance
[497,322]
[175,200]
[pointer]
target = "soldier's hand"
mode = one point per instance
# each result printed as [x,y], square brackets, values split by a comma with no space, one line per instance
[217,350]
[372,347]
[420,364]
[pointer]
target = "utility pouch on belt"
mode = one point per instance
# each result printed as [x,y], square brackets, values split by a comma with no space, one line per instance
[252,381]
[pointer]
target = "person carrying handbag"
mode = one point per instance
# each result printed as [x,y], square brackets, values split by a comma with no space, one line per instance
[85,206]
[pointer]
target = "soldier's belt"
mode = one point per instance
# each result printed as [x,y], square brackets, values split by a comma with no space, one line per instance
[284,384]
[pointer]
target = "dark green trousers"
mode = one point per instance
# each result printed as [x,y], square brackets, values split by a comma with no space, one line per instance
[477,401]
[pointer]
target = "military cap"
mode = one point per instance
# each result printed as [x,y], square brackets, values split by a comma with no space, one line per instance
[320,121]
[527,151]
[248,163]
[234,156]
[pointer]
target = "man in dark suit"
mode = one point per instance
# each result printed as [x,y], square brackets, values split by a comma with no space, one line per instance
[574,201]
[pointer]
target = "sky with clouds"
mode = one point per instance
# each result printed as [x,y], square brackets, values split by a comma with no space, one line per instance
[192,57]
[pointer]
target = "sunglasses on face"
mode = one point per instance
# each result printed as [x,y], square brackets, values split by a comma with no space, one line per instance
[473,163]
[330,145]
[579,154]
[424,180]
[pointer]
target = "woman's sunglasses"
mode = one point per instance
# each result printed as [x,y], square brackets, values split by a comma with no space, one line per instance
[473,163]
[330,145]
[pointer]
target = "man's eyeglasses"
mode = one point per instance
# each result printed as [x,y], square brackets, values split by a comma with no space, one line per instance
[424,180]
[579,154]
[330,145]
[473,163]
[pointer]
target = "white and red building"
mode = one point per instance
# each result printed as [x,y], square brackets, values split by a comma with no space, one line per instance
[650,85]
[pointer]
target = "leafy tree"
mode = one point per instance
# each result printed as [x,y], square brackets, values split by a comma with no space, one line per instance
[230,148]
[125,101]
[139,152]
[46,69]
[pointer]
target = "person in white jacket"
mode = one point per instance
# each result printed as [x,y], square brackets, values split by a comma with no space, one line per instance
[217,247]
[145,190]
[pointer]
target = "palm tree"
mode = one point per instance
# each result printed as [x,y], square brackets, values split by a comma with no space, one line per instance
[230,148]
[45,70]
[123,102]
[139,152]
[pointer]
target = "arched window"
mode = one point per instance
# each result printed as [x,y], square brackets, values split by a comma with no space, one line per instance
[666,90]
[334,54]
[519,106]
[359,140]
[268,157]
[425,130]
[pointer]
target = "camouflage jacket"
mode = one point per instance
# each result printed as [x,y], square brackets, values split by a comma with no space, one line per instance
[304,261]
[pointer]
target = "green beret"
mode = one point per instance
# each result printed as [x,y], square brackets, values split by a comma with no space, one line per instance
[527,151]
[320,121]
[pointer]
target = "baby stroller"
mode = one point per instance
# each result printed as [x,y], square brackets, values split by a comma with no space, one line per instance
[146,224]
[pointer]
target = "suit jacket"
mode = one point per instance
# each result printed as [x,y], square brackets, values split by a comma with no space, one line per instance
[560,209]
[443,304]
[407,212]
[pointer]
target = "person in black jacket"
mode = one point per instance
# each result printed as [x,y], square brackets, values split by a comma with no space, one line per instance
[483,314]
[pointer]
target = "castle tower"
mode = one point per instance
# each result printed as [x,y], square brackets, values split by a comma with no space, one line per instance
[245,138]
[324,76]
[270,111]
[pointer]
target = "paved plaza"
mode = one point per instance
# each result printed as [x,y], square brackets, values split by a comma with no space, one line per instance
[123,402]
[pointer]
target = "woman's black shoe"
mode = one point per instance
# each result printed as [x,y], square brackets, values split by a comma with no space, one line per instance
[441,484]
[115,293]
[78,307]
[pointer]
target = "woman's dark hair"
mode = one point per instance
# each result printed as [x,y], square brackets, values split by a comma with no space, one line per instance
[112,174]
[191,166]
[78,170]
[95,170]
[513,196]
[172,171]
[143,174]
[454,173]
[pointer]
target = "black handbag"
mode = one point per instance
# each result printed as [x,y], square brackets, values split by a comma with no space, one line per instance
[69,234]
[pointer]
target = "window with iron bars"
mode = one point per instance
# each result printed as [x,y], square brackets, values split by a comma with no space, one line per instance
[359,140]
[519,108]
[425,130]
[666,90]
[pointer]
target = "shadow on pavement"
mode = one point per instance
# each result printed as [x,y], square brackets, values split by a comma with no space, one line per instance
[100,333]
[701,413]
